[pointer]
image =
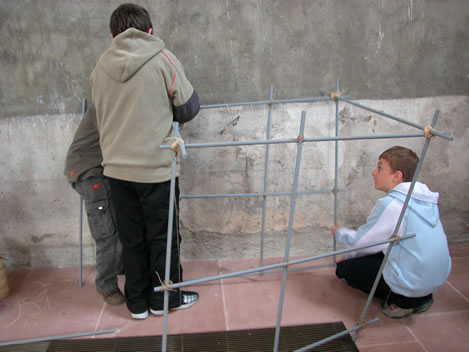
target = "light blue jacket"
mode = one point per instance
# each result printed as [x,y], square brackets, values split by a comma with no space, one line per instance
[416,266]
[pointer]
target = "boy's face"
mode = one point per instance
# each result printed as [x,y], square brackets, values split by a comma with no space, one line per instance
[385,178]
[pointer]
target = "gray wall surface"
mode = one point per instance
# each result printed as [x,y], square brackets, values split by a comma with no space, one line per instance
[233,50]
[406,58]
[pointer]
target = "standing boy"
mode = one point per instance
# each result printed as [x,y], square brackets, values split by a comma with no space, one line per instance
[139,88]
[416,266]
[83,170]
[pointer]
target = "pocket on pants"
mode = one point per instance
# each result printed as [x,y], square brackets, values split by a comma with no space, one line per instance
[100,219]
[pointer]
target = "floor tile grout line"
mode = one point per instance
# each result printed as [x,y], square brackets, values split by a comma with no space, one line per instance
[386,344]
[100,317]
[413,335]
[225,310]
[457,291]
[439,314]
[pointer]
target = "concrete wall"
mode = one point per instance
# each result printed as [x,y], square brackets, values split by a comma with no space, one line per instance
[404,57]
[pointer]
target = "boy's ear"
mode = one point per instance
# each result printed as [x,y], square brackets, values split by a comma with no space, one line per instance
[398,177]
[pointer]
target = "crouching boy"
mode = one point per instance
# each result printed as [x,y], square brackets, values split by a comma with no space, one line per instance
[416,266]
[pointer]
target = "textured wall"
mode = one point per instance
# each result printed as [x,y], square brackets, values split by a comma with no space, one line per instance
[39,217]
[233,50]
[404,57]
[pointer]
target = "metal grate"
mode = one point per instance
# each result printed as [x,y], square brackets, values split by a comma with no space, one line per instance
[258,340]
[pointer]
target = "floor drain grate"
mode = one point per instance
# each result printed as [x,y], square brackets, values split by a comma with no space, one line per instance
[258,340]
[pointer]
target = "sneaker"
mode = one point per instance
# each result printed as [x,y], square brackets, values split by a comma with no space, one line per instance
[424,307]
[188,300]
[139,316]
[113,297]
[395,312]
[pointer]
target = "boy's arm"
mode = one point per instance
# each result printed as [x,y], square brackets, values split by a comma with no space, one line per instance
[183,96]
[379,226]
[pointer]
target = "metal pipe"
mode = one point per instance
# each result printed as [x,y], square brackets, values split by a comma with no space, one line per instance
[266,175]
[293,140]
[336,163]
[399,222]
[268,194]
[60,337]
[80,245]
[416,174]
[168,245]
[290,229]
[375,285]
[80,222]
[265,102]
[436,133]
[274,266]
[333,337]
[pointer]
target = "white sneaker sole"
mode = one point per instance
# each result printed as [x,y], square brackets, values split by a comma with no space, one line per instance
[139,316]
[182,306]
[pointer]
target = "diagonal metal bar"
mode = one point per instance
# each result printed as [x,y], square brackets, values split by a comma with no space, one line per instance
[59,337]
[275,266]
[290,227]
[398,224]
[409,123]
[333,337]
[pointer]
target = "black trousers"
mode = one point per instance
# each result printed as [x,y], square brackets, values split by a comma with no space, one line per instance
[142,223]
[360,273]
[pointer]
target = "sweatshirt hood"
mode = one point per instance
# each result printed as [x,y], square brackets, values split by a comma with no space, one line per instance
[129,51]
[423,202]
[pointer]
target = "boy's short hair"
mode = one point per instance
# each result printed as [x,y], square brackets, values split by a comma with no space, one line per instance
[401,159]
[129,16]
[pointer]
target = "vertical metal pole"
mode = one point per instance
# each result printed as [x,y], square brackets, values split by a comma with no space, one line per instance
[80,222]
[399,222]
[266,173]
[290,229]
[336,167]
[80,245]
[169,242]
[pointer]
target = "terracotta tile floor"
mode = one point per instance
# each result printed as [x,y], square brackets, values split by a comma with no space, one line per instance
[48,302]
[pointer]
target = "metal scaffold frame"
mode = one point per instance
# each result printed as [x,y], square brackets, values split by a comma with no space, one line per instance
[426,131]
[179,146]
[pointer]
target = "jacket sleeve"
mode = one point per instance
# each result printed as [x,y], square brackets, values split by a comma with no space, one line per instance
[187,111]
[379,226]
[184,98]
[84,152]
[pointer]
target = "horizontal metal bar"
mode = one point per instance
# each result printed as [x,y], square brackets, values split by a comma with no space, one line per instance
[333,337]
[277,265]
[300,100]
[409,123]
[371,136]
[294,140]
[268,194]
[229,105]
[42,339]
[265,102]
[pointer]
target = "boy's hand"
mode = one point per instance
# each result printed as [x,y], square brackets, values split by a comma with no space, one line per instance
[333,228]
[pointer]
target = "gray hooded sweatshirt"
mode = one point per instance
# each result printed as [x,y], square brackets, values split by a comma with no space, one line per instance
[138,89]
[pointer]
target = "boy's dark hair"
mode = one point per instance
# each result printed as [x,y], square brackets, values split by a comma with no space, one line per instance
[129,16]
[401,159]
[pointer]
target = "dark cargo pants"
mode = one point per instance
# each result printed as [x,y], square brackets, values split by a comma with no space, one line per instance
[95,192]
